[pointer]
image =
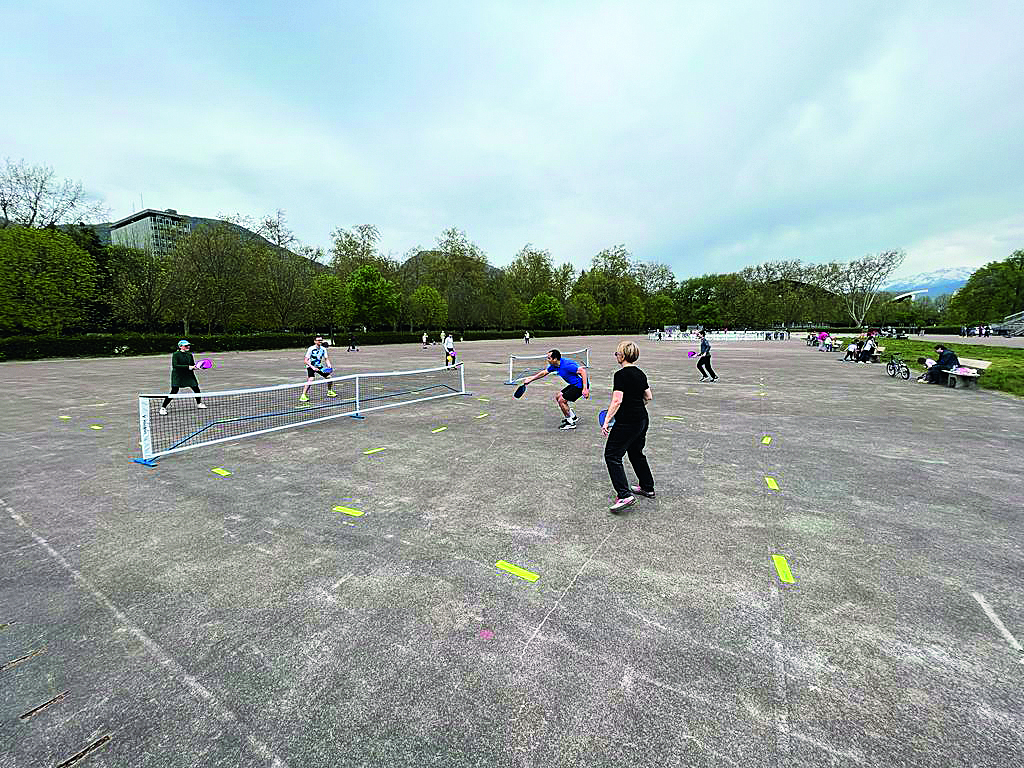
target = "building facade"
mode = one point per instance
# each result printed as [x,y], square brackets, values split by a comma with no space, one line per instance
[151,230]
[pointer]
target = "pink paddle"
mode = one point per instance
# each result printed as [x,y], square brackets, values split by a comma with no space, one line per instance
[206,363]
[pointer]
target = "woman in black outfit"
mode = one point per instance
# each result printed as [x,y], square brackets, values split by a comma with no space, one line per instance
[630,395]
[707,373]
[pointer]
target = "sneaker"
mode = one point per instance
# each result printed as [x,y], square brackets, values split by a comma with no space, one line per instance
[622,503]
[641,492]
[331,393]
[304,399]
[714,380]
[704,378]
[163,411]
[567,424]
[200,405]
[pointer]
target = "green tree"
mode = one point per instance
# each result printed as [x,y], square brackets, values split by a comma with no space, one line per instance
[514,313]
[546,312]
[660,311]
[653,278]
[991,293]
[610,317]
[859,282]
[426,308]
[531,272]
[583,311]
[375,299]
[144,286]
[330,303]
[46,281]
[357,248]
[631,314]
[459,270]
[282,287]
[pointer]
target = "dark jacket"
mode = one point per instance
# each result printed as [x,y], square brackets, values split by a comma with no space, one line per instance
[947,361]
[705,347]
[181,376]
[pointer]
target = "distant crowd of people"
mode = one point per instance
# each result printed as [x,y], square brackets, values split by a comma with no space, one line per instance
[976,330]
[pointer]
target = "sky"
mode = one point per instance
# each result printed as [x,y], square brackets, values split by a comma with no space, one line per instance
[708,136]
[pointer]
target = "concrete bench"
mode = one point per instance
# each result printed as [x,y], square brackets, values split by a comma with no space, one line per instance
[956,380]
[876,356]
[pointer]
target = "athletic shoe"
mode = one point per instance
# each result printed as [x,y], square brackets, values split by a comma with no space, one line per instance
[200,405]
[714,380]
[567,425]
[704,378]
[638,490]
[622,503]
[331,393]
[163,411]
[303,399]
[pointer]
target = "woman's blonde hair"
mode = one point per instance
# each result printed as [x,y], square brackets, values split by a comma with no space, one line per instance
[629,351]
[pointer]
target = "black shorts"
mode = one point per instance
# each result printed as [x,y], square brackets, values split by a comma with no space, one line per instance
[572,393]
[312,372]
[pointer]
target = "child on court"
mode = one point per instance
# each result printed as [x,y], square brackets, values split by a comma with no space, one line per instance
[449,350]
[576,384]
[317,361]
[627,436]
[183,366]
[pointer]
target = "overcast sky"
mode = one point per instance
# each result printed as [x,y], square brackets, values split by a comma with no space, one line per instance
[708,136]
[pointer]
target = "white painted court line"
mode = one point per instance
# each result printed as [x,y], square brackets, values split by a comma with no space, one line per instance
[994,618]
[219,710]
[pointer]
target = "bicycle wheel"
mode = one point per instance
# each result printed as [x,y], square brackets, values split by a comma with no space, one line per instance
[890,368]
[905,372]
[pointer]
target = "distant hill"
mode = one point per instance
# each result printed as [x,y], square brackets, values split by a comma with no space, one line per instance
[938,282]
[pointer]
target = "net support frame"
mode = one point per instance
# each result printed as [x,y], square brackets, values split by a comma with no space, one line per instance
[513,379]
[359,407]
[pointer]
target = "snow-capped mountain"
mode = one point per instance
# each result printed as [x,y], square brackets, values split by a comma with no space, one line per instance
[940,281]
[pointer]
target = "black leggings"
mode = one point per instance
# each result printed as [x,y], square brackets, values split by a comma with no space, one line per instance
[704,362]
[174,391]
[628,439]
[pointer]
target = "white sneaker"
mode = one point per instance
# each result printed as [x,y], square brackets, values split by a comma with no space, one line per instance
[200,405]
[163,411]
[704,378]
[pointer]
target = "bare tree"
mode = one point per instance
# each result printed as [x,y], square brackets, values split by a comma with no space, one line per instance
[31,196]
[275,229]
[859,282]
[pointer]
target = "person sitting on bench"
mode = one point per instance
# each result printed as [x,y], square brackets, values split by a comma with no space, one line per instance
[947,362]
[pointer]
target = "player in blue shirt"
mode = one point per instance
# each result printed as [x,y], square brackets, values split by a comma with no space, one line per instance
[577,383]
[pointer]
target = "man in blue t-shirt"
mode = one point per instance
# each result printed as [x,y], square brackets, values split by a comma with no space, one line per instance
[577,383]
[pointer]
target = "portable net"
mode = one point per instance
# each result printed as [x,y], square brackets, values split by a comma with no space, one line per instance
[242,413]
[521,366]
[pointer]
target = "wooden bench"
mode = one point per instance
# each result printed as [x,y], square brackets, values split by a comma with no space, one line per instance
[956,380]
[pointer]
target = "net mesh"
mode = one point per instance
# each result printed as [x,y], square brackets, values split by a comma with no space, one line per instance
[243,412]
[521,366]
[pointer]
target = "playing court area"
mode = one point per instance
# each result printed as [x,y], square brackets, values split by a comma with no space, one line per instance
[181,617]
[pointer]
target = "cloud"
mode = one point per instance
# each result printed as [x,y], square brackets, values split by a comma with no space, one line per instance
[708,136]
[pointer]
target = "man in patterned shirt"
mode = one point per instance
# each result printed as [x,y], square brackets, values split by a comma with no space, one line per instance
[317,362]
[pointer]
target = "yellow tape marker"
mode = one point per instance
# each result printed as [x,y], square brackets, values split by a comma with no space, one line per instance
[675,418]
[782,568]
[693,393]
[763,394]
[66,418]
[373,450]
[481,416]
[221,472]
[349,511]
[515,570]
[484,399]
[95,426]
[771,483]
[439,429]
[766,440]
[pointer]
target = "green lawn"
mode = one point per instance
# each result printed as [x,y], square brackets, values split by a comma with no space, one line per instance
[1006,374]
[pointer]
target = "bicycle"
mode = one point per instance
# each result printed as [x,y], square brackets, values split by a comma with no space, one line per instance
[896,367]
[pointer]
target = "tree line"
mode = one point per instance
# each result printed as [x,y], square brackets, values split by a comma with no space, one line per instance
[60,278]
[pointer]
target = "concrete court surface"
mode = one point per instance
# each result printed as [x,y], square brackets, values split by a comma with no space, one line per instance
[192,619]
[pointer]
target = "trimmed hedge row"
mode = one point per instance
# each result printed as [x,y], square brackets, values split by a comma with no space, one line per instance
[129,344]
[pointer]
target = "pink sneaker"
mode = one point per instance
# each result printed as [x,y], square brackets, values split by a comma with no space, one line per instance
[622,503]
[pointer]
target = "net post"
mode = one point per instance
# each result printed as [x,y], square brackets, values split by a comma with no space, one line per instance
[145,437]
[511,362]
[357,414]
[462,379]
